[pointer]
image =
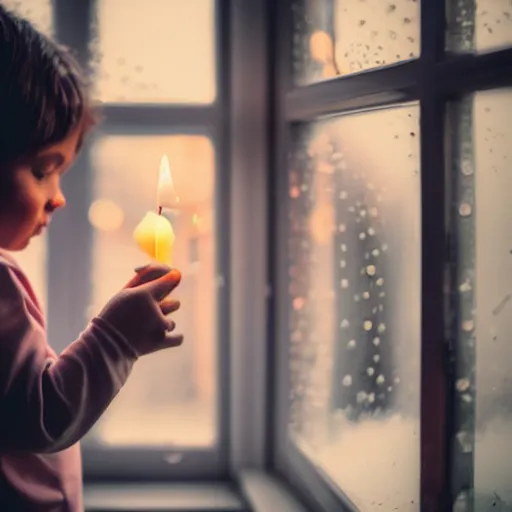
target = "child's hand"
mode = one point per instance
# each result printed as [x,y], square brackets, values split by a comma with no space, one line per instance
[139,311]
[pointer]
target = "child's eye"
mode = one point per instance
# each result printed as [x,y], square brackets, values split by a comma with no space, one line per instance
[39,173]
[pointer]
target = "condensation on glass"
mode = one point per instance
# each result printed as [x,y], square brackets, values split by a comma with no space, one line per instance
[170,398]
[340,37]
[162,53]
[354,303]
[38,12]
[477,26]
[482,292]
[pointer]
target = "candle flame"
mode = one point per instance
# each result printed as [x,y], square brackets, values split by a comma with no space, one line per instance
[166,194]
[165,173]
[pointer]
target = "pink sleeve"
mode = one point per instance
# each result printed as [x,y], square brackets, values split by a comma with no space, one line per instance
[47,405]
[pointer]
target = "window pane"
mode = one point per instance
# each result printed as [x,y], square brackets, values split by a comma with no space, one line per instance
[170,59]
[339,37]
[479,25]
[170,397]
[38,12]
[33,262]
[483,181]
[354,292]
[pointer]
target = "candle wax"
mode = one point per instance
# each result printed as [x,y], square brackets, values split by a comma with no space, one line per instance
[155,236]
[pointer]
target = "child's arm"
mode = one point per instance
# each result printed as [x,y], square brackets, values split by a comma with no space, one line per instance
[48,405]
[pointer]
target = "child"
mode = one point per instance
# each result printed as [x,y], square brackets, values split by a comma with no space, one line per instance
[48,402]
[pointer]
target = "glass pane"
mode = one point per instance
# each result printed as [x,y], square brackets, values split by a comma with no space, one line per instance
[38,12]
[479,25]
[170,60]
[354,295]
[483,320]
[170,397]
[33,262]
[339,37]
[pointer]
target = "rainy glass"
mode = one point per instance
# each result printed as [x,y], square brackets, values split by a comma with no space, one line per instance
[340,37]
[354,243]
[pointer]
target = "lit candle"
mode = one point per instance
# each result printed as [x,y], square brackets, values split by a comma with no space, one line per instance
[154,233]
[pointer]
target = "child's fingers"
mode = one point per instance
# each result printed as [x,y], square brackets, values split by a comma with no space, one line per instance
[173,340]
[169,306]
[147,273]
[161,287]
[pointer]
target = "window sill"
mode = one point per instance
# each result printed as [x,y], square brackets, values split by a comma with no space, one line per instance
[266,493]
[261,492]
[162,497]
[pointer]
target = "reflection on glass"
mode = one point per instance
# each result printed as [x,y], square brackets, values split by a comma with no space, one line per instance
[163,52]
[479,25]
[38,12]
[339,37]
[483,320]
[170,397]
[354,296]
[33,262]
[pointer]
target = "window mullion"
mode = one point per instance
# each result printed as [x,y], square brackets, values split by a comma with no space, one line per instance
[70,234]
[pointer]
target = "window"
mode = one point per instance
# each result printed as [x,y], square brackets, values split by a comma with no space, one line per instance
[354,276]
[392,254]
[158,98]
[482,139]
[146,412]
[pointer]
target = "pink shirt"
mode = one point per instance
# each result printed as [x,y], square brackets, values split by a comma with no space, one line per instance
[48,402]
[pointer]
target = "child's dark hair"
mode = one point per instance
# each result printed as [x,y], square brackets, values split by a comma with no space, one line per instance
[43,95]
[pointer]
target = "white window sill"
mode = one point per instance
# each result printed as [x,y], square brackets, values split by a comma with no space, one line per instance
[261,493]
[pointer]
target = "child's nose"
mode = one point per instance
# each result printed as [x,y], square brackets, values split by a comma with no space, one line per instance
[59,201]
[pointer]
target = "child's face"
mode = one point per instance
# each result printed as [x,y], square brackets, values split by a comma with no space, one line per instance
[34,193]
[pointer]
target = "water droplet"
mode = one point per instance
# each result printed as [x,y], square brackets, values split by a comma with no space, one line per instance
[467,168]
[343,248]
[380,281]
[362,236]
[381,328]
[298,303]
[371,270]
[462,385]
[344,283]
[371,398]
[347,381]
[465,210]
[375,252]
[361,397]
[366,295]
[342,228]
[344,323]
[465,287]
[294,192]
[376,341]
[351,344]
[468,325]
[380,380]
[371,231]
[376,358]
[370,371]
[343,195]
[367,325]
[343,263]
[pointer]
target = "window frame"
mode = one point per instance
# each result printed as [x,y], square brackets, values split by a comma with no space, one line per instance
[433,79]
[69,263]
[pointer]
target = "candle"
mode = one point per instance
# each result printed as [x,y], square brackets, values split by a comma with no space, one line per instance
[154,233]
